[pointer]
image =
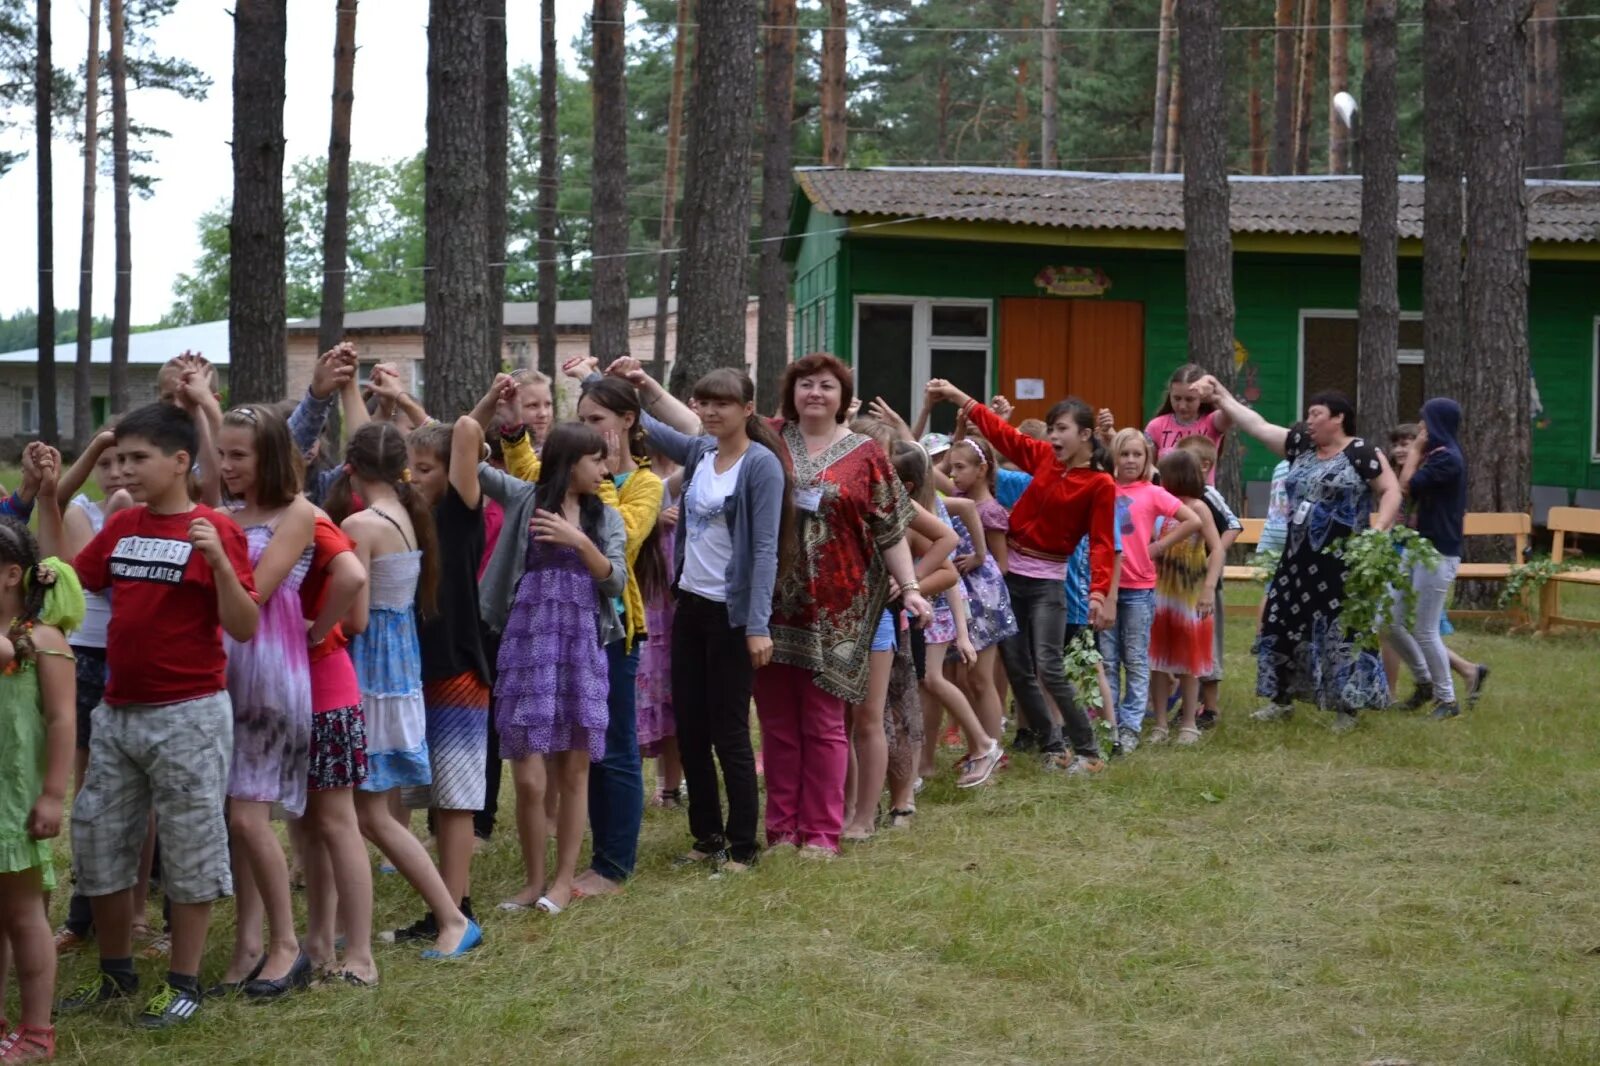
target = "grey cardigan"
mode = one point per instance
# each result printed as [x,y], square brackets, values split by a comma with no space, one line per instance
[498,588]
[755,511]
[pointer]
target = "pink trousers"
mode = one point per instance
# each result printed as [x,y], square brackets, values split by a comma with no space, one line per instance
[805,754]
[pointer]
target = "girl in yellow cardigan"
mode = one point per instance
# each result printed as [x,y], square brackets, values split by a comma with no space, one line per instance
[616,783]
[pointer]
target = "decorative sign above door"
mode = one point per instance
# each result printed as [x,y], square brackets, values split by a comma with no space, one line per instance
[1073,281]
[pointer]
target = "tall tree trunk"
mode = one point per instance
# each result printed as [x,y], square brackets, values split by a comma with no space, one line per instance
[772,328]
[1378,366]
[835,41]
[669,180]
[714,282]
[455,331]
[1019,114]
[608,338]
[1174,157]
[122,208]
[1308,78]
[1443,159]
[1499,414]
[496,136]
[256,289]
[549,187]
[1207,234]
[1049,74]
[1158,123]
[1283,87]
[942,110]
[1258,149]
[43,114]
[82,378]
[1338,82]
[336,209]
[1545,136]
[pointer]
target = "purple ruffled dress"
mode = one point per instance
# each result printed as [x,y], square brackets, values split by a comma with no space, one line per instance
[654,684]
[553,676]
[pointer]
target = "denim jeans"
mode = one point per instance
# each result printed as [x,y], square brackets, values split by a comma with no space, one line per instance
[1127,645]
[1421,646]
[1034,664]
[616,782]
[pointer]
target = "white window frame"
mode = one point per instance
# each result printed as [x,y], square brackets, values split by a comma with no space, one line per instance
[923,339]
[1408,356]
[28,408]
[1594,393]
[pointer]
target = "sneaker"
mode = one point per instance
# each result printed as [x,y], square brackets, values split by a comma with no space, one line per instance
[1158,735]
[96,991]
[1128,740]
[1057,760]
[1206,719]
[1274,712]
[1082,766]
[1446,710]
[170,1006]
[1189,735]
[1343,722]
[1421,696]
[424,928]
[1476,689]
[1025,741]
[29,1043]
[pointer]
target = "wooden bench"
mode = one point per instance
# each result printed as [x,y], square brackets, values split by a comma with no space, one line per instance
[1250,536]
[1564,520]
[1517,526]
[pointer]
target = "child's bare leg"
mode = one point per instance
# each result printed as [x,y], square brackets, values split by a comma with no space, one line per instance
[141,888]
[1108,701]
[978,683]
[955,701]
[1160,694]
[322,902]
[395,839]
[453,836]
[32,948]
[248,913]
[670,765]
[932,716]
[528,774]
[336,833]
[572,772]
[249,825]
[1189,685]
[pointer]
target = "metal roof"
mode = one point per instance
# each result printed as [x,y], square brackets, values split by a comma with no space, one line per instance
[570,314]
[155,347]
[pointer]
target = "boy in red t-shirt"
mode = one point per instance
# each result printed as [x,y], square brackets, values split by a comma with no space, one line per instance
[179,574]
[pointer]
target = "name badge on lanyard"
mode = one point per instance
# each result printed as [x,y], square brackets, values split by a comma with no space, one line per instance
[808,500]
[1302,512]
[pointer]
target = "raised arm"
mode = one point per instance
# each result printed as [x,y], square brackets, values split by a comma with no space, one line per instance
[78,473]
[1246,419]
[666,439]
[466,452]
[333,368]
[657,400]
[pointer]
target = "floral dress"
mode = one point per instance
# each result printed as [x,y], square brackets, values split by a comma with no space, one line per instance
[990,618]
[1302,652]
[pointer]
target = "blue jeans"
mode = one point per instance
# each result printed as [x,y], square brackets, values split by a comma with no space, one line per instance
[616,782]
[1127,644]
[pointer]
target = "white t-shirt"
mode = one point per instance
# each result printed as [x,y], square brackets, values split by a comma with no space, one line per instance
[705,517]
[96,605]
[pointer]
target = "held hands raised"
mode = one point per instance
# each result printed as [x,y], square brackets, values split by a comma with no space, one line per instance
[938,390]
[334,369]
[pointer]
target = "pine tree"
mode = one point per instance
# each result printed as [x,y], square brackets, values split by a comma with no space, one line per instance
[772,330]
[43,114]
[549,187]
[1378,366]
[1445,368]
[609,180]
[82,379]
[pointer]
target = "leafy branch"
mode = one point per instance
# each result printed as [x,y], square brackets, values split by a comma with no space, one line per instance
[1526,582]
[1378,564]
[1081,659]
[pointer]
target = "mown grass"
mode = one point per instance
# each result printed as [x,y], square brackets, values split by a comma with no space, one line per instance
[1415,890]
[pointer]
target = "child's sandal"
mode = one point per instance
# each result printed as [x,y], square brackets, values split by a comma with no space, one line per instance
[29,1043]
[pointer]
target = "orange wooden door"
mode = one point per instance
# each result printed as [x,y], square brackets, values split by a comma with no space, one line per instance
[1091,349]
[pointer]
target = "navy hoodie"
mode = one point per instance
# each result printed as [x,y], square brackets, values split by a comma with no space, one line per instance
[1439,486]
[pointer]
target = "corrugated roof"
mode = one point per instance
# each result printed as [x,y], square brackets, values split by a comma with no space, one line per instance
[210,339]
[1558,211]
[570,314]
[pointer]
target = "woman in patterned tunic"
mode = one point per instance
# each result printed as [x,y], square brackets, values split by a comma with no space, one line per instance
[1302,652]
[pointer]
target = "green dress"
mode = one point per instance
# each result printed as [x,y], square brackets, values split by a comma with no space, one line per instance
[22,767]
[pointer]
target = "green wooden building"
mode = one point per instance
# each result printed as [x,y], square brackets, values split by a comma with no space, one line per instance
[1042,284]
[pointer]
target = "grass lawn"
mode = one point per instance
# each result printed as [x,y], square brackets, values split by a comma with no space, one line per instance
[1416,891]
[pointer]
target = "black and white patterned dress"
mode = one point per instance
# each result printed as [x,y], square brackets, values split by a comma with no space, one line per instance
[1302,652]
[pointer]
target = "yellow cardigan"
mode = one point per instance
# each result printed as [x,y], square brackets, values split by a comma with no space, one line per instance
[639,504]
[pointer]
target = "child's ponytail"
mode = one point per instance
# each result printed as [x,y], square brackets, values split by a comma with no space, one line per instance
[377,453]
[427,542]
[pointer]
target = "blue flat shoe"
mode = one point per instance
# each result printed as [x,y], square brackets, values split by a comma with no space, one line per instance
[472,938]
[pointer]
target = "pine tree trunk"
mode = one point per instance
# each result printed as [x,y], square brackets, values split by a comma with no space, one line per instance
[772,329]
[1303,106]
[713,284]
[82,380]
[256,288]
[1283,86]
[1258,149]
[455,331]
[1207,234]
[1174,157]
[1445,366]
[496,136]
[1499,413]
[608,338]
[1049,75]
[834,44]
[1378,366]
[1545,136]
[43,114]
[1338,82]
[121,207]
[336,209]
[669,182]
[1158,123]
[1019,114]
[549,188]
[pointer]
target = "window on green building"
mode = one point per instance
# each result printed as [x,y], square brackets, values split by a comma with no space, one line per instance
[900,343]
[1329,352]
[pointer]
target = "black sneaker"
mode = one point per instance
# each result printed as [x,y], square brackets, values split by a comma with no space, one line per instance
[170,1006]
[1206,719]
[1477,685]
[1446,710]
[424,928]
[96,991]
[1421,696]
[1024,742]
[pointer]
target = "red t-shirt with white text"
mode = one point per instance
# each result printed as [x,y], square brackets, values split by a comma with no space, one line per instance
[164,643]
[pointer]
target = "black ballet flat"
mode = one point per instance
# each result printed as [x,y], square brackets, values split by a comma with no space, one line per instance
[224,989]
[298,977]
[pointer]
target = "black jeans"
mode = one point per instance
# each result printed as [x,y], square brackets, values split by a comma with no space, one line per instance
[1034,664]
[711,680]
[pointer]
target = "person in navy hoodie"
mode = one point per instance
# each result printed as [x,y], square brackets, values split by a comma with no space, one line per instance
[1434,478]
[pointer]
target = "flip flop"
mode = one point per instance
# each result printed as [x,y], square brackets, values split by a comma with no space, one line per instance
[549,906]
[512,906]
